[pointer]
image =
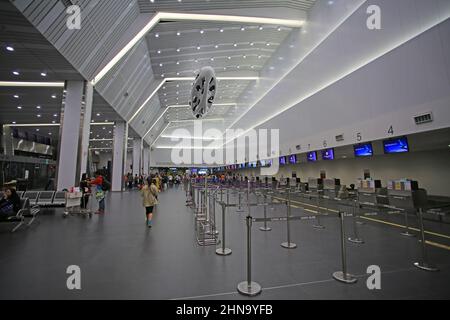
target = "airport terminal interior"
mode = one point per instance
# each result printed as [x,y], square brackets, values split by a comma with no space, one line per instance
[225,149]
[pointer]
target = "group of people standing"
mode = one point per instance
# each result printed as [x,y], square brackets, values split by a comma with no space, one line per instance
[98,186]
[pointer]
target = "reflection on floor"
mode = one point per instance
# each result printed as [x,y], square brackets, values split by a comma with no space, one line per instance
[121,259]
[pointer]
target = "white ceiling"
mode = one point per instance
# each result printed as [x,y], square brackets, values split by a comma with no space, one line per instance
[231,49]
[33,54]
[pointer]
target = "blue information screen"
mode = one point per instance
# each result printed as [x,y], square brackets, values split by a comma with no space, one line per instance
[293,159]
[398,145]
[328,154]
[363,150]
[312,156]
[282,160]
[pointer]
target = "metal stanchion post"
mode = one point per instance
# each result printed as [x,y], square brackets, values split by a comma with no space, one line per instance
[265,228]
[228,196]
[239,208]
[343,276]
[318,225]
[288,244]
[406,233]
[249,287]
[223,251]
[424,264]
[355,238]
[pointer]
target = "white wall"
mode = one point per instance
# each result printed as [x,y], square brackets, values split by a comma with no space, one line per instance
[431,169]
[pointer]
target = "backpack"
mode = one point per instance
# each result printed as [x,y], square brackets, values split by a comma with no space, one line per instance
[106,185]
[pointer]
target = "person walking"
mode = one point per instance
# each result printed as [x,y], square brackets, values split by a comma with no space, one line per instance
[149,195]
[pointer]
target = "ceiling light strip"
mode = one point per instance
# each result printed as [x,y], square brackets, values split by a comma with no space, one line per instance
[32,84]
[147,100]
[154,20]
[159,135]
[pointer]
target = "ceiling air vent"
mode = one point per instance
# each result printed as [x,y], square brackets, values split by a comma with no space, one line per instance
[423,118]
[340,138]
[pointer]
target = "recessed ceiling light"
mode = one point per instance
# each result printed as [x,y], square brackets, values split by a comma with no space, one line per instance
[44,74]
[152,1]
[54,96]
[196,61]
[260,27]
[37,130]
[178,73]
[39,116]
[159,51]
[212,59]
[178,33]
[267,44]
[156,35]
[202,31]
[242,28]
[13,122]
[16,73]
[160,64]
[229,58]
[279,29]
[55,115]
[259,57]
[98,114]
[238,67]
[162,76]
[216,46]
[198,47]
[221,30]
[234,44]
[252,44]
[9,48]
[49,133]
[178,62]
[244,56]
[16,96]
[19,107]
[38,107]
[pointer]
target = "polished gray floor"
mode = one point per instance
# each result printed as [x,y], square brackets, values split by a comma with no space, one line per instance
[121,259]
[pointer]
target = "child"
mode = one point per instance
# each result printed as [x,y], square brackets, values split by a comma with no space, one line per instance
[149,194]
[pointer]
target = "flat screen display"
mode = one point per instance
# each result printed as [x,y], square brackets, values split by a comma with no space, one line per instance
[282,161]
[194,171]
[398,145]
[363,150]
[262,163]
[203,172]
[312,156]
[293,159]
[328,154]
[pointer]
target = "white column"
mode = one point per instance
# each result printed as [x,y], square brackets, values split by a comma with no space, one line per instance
[146,160]
[85,131]
[71,118]
[136,156]
[119,145]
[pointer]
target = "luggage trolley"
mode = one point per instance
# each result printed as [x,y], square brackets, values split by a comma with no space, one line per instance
[73,205]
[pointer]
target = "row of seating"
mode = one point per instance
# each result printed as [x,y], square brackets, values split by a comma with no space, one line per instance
[45,198]
[26,211]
